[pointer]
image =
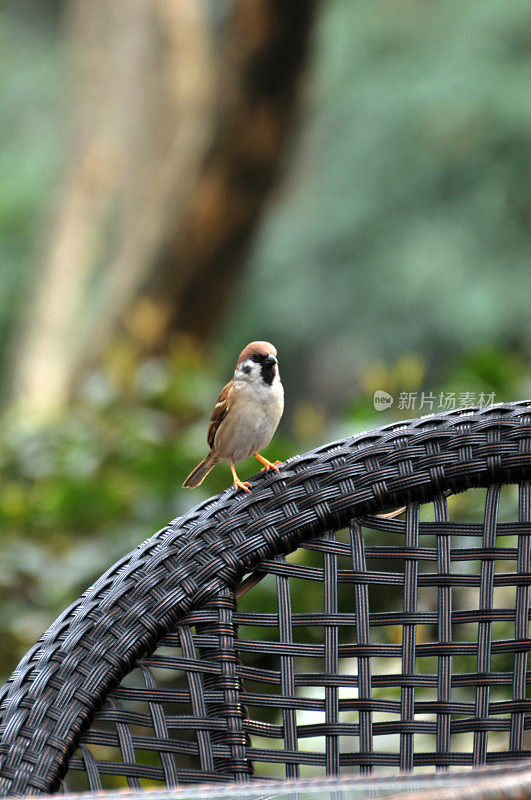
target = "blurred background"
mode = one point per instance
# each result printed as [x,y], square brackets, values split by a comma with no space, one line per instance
[178,177]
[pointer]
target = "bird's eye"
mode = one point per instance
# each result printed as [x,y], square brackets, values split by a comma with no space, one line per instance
[257,357]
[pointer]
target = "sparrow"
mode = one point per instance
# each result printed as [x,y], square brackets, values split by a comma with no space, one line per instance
[246,415]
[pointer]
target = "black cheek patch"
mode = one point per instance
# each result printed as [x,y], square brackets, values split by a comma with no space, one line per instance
[268,373]
[246,369]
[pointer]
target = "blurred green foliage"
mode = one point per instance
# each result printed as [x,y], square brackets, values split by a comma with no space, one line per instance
[406,197]
[403,223]
[30,136]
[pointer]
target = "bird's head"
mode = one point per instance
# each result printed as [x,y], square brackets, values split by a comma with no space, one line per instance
[257,363]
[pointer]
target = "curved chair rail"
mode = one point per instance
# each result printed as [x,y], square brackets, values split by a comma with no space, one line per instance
[52,696]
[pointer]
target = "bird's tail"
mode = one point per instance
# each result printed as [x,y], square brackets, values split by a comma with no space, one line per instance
[199,474]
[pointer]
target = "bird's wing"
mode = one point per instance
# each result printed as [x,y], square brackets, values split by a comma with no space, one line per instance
[221,409]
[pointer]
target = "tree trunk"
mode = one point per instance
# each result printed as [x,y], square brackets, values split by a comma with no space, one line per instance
[179,119]
[197,266]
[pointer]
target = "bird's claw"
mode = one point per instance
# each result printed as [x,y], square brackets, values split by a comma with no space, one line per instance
[238,484]
[271,465]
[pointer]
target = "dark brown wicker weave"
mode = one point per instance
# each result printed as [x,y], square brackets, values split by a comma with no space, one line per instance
[415,654]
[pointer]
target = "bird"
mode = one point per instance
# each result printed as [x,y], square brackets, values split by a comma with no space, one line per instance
[245,416]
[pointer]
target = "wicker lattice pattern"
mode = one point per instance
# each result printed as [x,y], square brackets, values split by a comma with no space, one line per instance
[242,698]
[329,703]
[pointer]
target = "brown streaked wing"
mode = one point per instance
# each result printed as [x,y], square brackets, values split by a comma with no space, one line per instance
[220,412]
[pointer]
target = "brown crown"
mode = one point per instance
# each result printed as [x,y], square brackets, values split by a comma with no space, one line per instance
[263,348]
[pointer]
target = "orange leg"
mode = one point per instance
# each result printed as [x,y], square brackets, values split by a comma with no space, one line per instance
[238,484]
[268,464]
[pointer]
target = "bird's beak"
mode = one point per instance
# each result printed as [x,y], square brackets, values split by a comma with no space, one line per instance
[270,360]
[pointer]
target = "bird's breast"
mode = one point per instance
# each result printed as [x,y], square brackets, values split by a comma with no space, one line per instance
[252,425]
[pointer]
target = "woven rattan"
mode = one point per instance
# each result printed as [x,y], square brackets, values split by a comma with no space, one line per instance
[415,654]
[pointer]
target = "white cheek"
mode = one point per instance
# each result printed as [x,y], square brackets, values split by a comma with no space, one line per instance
[242,373]
[249,371]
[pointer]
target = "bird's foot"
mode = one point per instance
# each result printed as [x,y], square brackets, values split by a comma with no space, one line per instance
[268,464]
[238,484]
[273,465]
